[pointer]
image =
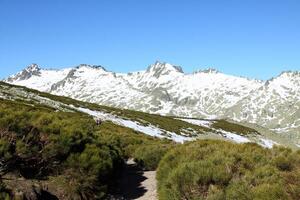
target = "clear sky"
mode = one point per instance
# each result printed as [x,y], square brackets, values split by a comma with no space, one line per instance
[253,38]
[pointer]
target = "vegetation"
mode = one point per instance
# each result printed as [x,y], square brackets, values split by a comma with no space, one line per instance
[67,148]
[231,127]
[149,156]
[222,170]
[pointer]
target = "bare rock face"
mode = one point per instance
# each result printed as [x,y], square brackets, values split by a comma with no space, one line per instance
[165,89]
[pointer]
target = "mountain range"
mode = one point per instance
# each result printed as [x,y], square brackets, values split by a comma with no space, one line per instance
[166,90]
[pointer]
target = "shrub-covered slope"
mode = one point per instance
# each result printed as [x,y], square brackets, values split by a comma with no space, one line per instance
[218,170]
[62,153]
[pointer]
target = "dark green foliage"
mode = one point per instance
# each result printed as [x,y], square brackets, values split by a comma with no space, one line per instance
[222,170]
[38,142]
[86,169]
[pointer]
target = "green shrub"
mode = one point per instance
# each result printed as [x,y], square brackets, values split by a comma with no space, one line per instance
[91,169]
[148,156]
[222,170]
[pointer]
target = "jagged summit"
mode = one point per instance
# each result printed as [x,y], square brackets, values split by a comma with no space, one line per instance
[28,72]
[33,67]
[163,67]
[91,66]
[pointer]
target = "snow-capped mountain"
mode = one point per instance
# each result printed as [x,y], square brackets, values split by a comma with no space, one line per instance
[165,89]
[275,105]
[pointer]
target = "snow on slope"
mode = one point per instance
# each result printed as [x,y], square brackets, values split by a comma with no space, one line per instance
[15,93]
[36,78]
[199,122]
[210,91]
[162,88]
[275,105]
[165,89]
[208,123]
[235,137]
[267,143]
[148,130]
[98,86]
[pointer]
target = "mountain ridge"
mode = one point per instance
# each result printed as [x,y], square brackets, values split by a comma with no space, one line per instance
[165,89]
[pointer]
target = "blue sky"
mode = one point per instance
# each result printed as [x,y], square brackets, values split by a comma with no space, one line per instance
[253,38]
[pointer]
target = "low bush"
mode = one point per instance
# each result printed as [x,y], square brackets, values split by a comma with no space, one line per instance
[222,170]
[148,156]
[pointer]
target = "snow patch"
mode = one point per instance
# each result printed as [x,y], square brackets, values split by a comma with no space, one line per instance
[148,130]
[267,143]
[198,122]
[235,137]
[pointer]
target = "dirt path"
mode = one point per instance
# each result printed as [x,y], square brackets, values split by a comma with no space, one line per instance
[136,184]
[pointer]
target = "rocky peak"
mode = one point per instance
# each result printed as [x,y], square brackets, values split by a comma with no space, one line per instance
[33,68]
[163,68]
[91,66]
[28,72]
